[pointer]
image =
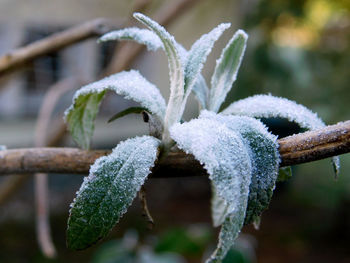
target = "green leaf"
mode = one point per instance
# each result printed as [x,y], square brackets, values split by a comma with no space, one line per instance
[80,116]
[153,42]
[127,111]
[267,106]
[201,92]
[226,69]
[173,112]
[198,55]
[109,190]
[227,161]
[285,173]
[264,157]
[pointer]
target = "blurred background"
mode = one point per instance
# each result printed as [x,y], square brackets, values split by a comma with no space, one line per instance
[296,49]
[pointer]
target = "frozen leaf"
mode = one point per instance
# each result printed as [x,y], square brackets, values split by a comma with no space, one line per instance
[267,106]
[226,69]
[153,42]
[141,36]
[173,112]
[198,55]
[227,161]
[130,84]
[109,190]
[126,112]
[264,157]
[201,92]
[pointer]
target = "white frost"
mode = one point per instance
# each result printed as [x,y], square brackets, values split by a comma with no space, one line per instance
[226,69]
[267,106]
[227,161]
[130,84]
[141,36]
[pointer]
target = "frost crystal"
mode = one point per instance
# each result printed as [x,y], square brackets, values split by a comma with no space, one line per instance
[267,106]
[198,54]
[264,157]
[109,190]
[226,69]
[176,72]
[141,36]
[130,84]
[227,162]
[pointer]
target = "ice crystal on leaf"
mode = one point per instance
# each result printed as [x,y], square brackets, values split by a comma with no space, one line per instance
[141,36]
[226,69]
[264,159]
[198,54]
[109,190]
[267,106]
[227,161]
[130,84]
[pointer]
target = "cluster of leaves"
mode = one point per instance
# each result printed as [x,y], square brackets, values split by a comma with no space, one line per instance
[239,153]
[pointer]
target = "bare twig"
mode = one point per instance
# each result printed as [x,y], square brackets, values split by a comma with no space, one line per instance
[145,211]
[52,96]
[301,148]
[18,57]
[16,181]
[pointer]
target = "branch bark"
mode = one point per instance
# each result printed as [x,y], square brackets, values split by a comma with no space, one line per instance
[301,148]
[20,56]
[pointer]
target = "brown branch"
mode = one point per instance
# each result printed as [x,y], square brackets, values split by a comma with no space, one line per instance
[52,97]
[20,56]
[305,147]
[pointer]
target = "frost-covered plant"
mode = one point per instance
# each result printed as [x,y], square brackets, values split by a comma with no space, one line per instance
[239,153]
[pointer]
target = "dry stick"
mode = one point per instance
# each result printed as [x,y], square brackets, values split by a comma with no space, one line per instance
[18,57]
[301,148]
[16,181]
[52,96]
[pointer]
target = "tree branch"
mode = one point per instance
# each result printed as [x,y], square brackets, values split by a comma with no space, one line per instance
[301,148]
[20,56]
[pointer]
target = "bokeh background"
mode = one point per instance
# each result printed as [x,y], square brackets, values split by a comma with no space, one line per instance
[296,49]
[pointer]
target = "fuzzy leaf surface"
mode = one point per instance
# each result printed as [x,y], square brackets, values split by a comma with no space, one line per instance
[267,106]
[80,116]
[264,157]
[141,36]
[109,190]
[153,43]
[226,69]
[176,70]
[226,159]
[201,92]
[198,55]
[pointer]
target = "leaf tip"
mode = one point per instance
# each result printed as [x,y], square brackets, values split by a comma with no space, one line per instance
[242,33]
[138,15]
